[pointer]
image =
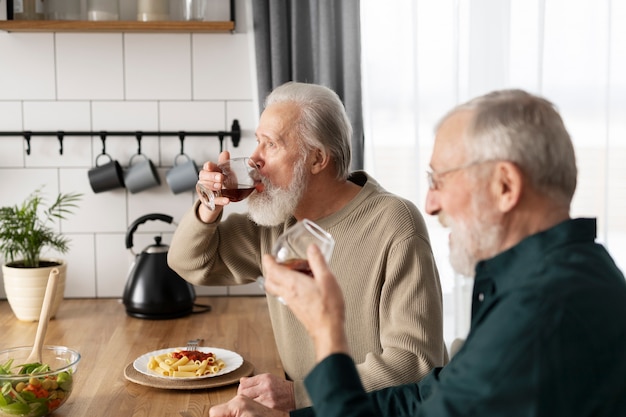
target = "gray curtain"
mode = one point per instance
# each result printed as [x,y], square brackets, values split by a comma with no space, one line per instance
[314,41]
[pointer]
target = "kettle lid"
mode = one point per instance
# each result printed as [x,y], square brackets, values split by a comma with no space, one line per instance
[158,247]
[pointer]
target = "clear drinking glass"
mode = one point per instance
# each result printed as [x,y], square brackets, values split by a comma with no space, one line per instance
[190,9]
[290,248]
[241,177]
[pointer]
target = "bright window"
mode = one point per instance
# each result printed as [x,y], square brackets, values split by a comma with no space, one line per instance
[421,57]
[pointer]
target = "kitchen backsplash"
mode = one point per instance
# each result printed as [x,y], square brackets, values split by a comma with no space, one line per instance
[123,82]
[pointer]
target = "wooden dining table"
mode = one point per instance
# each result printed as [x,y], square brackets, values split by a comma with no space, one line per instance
[109,341]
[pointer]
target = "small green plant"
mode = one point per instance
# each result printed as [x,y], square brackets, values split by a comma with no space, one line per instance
[27,229]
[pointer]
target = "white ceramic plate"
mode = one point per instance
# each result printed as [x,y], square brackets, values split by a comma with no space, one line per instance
[231,359]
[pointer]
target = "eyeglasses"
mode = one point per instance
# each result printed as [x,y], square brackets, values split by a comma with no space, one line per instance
[435,178]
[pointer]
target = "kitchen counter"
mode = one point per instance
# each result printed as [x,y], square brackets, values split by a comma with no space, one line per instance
[109,340]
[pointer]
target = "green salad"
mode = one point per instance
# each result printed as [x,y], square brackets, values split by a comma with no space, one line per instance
[34,395]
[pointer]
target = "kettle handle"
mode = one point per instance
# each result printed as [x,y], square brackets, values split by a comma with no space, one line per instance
[143,219]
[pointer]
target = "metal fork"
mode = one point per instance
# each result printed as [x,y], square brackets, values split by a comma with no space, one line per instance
[194,343]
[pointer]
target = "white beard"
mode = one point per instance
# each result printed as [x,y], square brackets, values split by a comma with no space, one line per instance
[475,240]
[275,205]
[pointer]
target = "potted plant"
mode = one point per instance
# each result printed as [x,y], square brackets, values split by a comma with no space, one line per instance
[26,230]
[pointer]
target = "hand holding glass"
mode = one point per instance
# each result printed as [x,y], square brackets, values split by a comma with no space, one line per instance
[290,248]
[241,177]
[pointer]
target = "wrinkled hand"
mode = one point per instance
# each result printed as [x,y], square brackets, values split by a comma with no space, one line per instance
[269,390]
[242,406]
[211,178]
[318,303]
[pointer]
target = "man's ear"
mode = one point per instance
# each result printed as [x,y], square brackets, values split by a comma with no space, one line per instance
[319,160]
[508,185]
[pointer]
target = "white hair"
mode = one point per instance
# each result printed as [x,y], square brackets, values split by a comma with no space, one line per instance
[322,121]
[527,130]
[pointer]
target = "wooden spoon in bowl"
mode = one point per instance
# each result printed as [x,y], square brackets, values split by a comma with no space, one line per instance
[44,317]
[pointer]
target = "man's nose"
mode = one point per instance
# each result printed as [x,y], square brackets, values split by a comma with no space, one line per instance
[256,157]
[432,203]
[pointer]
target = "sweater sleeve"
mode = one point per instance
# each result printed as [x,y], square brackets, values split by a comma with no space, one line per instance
[221,253]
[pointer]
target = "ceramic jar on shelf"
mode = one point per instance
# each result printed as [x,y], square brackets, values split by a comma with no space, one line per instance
[62,10]
[28,9]
[103,10]
[151,10]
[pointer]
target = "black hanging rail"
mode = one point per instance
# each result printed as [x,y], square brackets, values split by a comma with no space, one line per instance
[234,134]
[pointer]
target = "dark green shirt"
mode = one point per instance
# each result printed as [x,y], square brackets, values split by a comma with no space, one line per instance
[547,338]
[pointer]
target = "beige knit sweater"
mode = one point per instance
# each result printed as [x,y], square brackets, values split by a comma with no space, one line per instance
[383,262]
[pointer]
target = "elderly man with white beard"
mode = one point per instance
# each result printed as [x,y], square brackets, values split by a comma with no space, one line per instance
[382,257]
[548,326]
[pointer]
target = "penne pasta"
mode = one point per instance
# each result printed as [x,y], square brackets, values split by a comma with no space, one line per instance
[183,374]
[161,371]
[185,364]
[181,362]
[202,367]
[187,368]
[165,366]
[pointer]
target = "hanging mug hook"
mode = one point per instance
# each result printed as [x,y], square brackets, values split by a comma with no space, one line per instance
[27,135]
[60,135]
[138,135]
[181,136]
[103,138]
[220,136]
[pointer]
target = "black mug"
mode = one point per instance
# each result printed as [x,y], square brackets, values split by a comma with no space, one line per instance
[106,177]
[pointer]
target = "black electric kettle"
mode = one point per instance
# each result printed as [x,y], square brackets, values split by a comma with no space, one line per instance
[153,290]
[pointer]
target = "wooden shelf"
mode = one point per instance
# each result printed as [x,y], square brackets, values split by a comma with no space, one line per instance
[114,26]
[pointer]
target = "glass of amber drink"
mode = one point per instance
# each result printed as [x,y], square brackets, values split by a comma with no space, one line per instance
[241,178]
[290,248]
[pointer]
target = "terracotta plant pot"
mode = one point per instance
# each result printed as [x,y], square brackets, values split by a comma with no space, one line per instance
[25,288]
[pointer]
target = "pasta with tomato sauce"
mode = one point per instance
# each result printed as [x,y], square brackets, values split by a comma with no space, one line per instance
[186,364]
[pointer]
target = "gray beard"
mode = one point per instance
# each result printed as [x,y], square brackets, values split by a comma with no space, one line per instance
[475,240]
[471,244]
[275,205]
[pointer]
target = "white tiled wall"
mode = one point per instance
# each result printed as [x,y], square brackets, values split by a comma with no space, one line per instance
[115,81]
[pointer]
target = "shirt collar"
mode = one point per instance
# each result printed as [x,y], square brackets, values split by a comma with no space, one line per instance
[513,267]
